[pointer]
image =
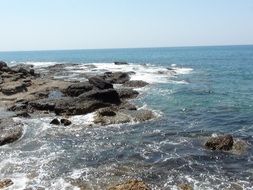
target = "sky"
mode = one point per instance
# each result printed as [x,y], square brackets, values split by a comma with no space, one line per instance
[98,24]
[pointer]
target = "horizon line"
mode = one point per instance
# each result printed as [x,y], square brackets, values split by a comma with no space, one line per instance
[155,47]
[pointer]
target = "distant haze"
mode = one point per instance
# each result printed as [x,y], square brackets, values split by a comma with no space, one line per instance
[96,24]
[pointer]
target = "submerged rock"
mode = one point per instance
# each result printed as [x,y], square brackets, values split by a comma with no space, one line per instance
[135,84]
[5,183]
[9,131]
[220,143]
[131,185]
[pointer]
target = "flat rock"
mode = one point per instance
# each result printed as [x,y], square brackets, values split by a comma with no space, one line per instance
[220,143]
[131,185]
[9,131]
[14,88]
[135,84]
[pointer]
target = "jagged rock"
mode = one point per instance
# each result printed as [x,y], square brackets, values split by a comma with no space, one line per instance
[107,112]
[142,115]
[127,106]
[13,88]
[55,122]
[116,77]
[100,83]
[127,93]
[131,185]
[66,122]
[120,63]
[220,143]
[135,84]
[5,183]
[78,88]
[18,107]
[9,131]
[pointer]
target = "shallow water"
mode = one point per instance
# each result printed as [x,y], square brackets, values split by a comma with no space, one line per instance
[210,92]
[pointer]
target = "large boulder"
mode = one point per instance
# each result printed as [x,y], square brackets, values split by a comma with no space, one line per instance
[135,84]
[9,131]
[220,143]
[127,93]
[116,77]
[131,185]
[78,88]
[100,83]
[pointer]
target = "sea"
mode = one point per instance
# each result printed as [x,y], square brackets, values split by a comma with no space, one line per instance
[210,94]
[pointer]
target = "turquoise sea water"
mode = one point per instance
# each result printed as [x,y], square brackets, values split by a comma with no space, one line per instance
[216,97]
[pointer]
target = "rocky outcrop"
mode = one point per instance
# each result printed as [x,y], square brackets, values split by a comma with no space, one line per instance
[116,77]
[131,185]
[135,84]
[79,88]
[2,64]
[5,183]
[220,143]
[100,83]
[14,88]
[9,131]
[127,93]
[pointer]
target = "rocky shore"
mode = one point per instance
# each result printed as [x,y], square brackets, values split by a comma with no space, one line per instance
[30,93]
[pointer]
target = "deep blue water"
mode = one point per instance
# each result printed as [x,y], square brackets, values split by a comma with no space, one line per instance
[217,97]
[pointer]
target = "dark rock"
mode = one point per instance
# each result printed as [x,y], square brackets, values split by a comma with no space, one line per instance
[66,122]
[220,143]
[1,80]
[107,96]
[55,122]
[5,183]
[79,88]
[23,114]
[131,185]
[32,72]
[2,64]
[14,88]
[127,93]
[107,112]
[116,77]
[9,131]
[100,83]
[135,84]
[18,107]
[120,63]
[43,104]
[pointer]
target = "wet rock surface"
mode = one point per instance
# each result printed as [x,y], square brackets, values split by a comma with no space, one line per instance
[10,131]
[135,84]
[220,143]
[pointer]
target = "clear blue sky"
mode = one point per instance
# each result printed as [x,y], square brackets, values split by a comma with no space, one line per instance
[84,24]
